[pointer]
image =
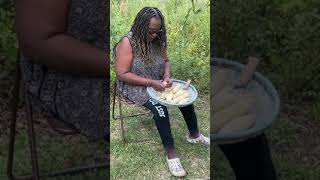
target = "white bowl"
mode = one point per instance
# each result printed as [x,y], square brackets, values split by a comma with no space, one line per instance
[193,91]
[266,109]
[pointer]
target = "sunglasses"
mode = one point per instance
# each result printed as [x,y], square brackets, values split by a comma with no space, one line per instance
[158,32]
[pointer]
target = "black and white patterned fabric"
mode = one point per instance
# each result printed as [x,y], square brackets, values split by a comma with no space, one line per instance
[81,102]
[154,70]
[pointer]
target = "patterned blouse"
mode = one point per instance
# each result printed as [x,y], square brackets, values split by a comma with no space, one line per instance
[154,70]
[81,102]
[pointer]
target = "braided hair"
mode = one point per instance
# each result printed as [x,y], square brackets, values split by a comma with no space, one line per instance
[140,33]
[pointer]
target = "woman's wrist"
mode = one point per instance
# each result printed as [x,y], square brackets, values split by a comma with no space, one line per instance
[149,82]
[166,76]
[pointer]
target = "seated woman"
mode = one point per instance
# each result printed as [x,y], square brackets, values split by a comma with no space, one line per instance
[141,61]
[65,64]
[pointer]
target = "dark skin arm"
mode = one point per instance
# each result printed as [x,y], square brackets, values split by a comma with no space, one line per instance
[123,66]
[41,28]
[166,74]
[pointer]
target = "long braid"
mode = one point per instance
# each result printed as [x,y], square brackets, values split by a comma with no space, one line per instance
[140,34]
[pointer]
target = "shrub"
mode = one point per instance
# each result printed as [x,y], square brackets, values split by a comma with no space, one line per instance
[284,33]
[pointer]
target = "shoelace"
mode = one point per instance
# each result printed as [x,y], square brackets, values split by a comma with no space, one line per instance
[175,165]
[203,139]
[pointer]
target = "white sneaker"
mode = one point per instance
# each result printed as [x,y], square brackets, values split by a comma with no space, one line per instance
[175,167]
[201,139]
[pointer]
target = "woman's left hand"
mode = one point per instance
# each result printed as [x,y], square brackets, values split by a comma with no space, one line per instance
[168,82]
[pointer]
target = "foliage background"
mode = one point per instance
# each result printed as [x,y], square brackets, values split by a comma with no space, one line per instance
[7,46]
[284,33]
[188,34]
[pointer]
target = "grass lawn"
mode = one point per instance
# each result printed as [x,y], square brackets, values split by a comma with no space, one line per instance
[143,157]
[294,141]
[55,152]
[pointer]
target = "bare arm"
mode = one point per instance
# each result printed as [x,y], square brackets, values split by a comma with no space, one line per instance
[166,74]
[123,67]
[41,32]
[166,71]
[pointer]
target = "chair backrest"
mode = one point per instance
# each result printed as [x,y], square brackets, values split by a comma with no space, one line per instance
[118,94]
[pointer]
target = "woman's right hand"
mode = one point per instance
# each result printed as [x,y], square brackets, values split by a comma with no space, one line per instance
[157,85]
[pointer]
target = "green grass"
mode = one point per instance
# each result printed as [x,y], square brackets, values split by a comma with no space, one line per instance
[295,148]
[55,152]
[188,46]
[144,158]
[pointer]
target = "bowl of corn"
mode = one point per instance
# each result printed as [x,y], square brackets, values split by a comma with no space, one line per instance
[180,94]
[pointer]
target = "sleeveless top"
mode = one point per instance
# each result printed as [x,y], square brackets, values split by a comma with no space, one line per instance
[81,102]
[154,70]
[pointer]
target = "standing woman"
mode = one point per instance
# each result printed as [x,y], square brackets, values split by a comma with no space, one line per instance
[64,62]
[140,61]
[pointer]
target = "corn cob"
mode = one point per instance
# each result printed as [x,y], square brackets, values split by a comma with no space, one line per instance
[170,88]
[223,99]
[238,124]
[235,110]
[178,93]
[176,88]
[169,96]
[163,95]
[219,80]
[181,97]
[185,100]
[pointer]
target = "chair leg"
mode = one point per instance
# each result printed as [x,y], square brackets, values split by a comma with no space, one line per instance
[123,135]
[121,122]
[32,139]
[14,109]
[114,100]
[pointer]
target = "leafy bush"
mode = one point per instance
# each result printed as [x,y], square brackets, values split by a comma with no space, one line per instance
[188,35]
[284,33]
[7,35]
[8,49]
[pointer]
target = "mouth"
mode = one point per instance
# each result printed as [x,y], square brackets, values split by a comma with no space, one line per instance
[151,37]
